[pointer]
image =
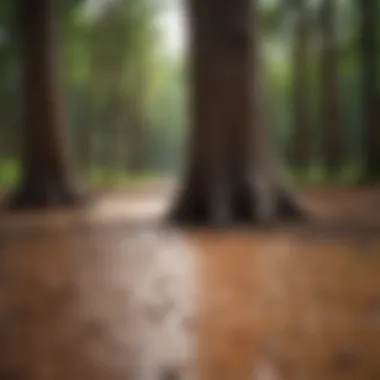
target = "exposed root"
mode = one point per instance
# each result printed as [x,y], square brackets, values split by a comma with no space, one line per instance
[44,196]
[243,205]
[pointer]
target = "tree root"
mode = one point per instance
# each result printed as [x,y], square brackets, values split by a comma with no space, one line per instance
[242,205]
[29,197]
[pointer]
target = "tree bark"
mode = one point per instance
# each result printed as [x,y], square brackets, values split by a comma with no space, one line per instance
[231,176]
[371,97]
[301,85]
[332,145]
[46,174]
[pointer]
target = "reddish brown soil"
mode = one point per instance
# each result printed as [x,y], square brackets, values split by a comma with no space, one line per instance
[99,293]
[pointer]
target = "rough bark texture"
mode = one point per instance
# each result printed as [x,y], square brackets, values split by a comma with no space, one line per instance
[331,109]
[46,177]
[301,85]
[231,176]
[371,97]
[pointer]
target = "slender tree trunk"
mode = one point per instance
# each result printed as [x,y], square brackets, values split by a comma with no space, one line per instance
[83,129]
[115,146]
[85,139]
[301,79]
[46,174]
[136,144]
[137,121]
[231,176]
[371,94]
[332,145]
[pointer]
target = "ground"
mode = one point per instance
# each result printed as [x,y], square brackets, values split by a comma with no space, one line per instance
[109,293]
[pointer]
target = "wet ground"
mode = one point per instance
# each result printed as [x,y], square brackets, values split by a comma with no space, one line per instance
[107,293]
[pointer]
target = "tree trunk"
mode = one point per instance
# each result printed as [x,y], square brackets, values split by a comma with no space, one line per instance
[137,122]
[231,177]
[332,147]
[115,146]
[301,85]
[371,97]
[83,129]
[136,135]
[46,175]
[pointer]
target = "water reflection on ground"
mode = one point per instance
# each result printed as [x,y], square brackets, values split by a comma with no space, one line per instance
[106,305]
[88,297]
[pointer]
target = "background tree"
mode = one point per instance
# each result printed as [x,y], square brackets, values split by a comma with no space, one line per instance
[302,153]
[332,144]
[231,176]
[121,47]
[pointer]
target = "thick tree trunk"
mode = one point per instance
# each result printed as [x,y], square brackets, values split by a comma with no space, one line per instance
[332,145]
[46,176]
[301,85]
[231,177]
[371,94]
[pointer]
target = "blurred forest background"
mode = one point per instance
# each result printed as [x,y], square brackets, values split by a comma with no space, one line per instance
[125,67]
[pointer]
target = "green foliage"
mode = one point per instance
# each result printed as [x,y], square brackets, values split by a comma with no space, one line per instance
[126,92]
[9,172]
